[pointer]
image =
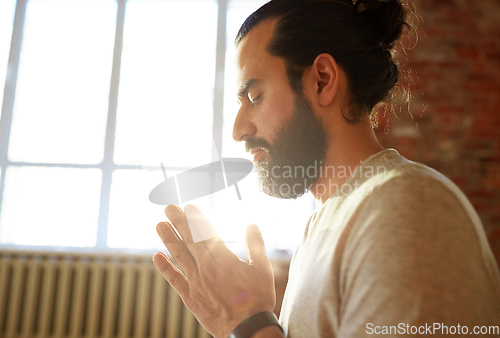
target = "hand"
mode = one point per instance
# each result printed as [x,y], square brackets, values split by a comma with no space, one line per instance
[220,289]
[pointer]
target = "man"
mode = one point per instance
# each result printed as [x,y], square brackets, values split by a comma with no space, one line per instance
[395,248]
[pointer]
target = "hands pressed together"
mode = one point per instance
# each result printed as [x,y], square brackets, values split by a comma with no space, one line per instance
[219,288]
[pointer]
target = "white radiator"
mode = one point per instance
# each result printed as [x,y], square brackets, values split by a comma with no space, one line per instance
[95,296]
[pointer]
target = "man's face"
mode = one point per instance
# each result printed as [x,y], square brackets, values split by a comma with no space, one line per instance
[279,127]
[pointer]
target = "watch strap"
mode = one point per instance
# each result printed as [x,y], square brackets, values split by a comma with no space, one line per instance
[254,323]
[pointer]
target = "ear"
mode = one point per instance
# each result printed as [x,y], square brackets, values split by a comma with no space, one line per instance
[325,72]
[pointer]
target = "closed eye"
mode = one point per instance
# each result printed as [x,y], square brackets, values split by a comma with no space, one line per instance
[254,101]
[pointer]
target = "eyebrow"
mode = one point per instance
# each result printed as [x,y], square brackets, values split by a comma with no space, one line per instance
[246,86]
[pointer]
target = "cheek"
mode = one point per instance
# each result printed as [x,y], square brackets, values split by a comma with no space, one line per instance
[277,111]
[270,123]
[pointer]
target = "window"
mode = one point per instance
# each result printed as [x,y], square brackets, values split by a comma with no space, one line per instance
[98,93]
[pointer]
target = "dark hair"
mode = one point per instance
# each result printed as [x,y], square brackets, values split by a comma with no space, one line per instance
[359,35]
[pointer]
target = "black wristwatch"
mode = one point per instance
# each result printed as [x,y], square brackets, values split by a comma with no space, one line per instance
[254,323]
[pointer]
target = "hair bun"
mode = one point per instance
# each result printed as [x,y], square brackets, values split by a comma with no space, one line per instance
[388,17]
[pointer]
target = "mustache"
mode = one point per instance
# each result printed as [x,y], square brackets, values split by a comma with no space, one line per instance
[257,143]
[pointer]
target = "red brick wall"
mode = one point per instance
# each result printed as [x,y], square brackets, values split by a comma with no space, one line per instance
[456,71]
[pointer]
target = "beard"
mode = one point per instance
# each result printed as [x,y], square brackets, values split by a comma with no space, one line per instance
[300,145]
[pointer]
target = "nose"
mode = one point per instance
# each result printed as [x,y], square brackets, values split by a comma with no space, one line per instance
[243,126]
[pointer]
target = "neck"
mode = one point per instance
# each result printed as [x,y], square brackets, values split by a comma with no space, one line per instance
[347,149]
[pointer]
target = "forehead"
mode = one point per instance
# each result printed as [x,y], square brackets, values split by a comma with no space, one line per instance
[252,59]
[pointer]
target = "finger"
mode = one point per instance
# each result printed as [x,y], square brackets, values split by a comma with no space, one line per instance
[180,254]
[179,221]
[203,231]
[256,249]
[171,274]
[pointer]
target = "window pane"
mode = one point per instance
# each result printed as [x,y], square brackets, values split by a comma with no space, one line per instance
[166,85]
[236,15]
[132,217]
[7,8]
[282,222]
[62,92]
[50,206]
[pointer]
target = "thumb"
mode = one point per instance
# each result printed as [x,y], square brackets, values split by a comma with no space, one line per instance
[256,249]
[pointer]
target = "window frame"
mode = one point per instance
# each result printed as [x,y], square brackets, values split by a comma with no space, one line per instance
[107,166]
